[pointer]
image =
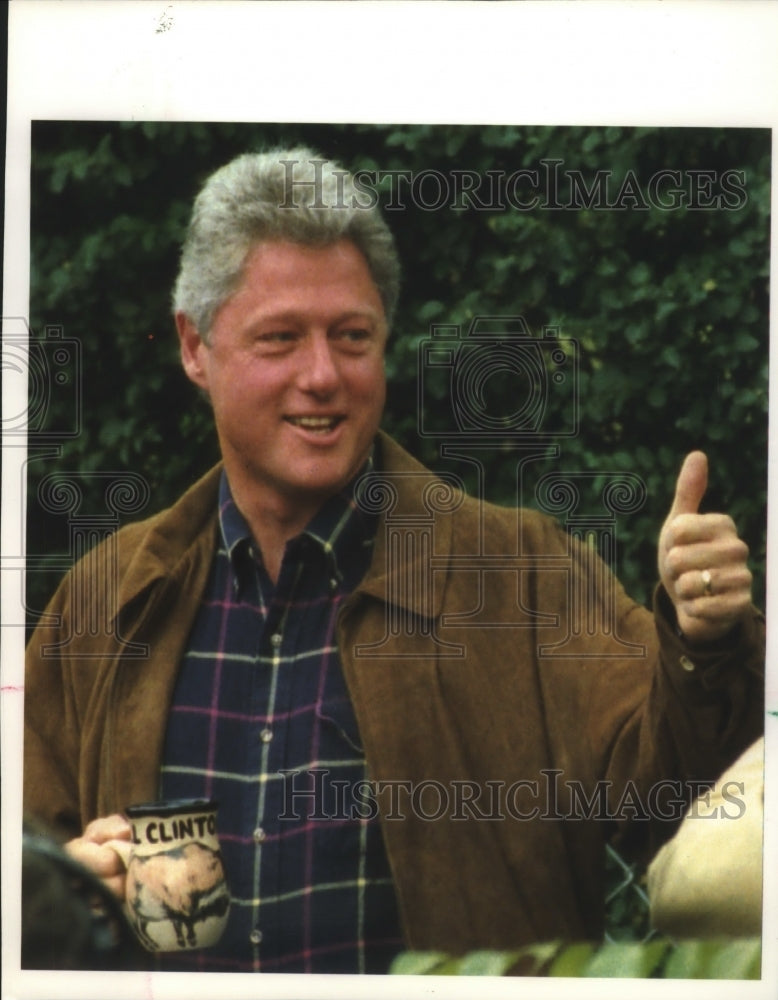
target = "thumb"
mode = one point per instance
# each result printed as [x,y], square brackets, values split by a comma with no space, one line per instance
[691,485]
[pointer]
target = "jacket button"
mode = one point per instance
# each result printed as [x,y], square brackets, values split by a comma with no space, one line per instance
[259,835]
[256,936]
[687,664]
[266,735]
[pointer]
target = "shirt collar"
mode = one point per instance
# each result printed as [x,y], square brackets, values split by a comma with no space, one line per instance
[341,529]
[345,532]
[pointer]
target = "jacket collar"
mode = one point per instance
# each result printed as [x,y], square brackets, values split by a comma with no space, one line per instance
[415,523]
[416,508]
[172,539]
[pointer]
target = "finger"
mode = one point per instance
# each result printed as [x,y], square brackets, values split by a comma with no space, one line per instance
[720,611]
[114,827]
[686,529]
[719,607]
[117,885]
[722,555]
[691,485]
[722,584]
[101,861]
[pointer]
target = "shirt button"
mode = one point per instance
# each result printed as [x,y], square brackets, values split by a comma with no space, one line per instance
[255,937]
[276,639]
[687,664]
[333,584]
[259,835]
[266,735]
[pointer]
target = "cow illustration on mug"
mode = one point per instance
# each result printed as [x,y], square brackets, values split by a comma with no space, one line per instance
[176,894]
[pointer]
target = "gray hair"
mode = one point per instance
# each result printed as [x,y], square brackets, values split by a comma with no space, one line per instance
[293,195]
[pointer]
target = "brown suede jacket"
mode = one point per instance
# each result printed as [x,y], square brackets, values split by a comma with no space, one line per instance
[503,684]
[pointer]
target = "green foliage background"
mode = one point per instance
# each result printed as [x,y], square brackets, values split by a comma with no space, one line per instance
[716,958]
[669,308]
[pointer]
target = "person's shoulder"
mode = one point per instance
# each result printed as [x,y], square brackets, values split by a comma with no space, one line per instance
[195,505]
[129,560]
[533,526]
[153,543]
[471,514]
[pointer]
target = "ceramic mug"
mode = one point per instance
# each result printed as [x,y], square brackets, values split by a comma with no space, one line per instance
[176,895]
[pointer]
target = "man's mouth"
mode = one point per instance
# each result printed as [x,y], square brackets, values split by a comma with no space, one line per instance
[316,425]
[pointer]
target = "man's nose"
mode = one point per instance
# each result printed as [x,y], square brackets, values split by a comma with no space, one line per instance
[319,371]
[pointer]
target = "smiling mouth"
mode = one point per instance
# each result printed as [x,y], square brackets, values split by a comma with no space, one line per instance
[316,425]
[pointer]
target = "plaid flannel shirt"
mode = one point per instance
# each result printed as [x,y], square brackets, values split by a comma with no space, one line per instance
[262,722]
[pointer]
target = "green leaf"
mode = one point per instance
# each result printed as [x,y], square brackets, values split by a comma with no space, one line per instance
[417,963]
[740,247]
[671,356]
[487,963]
[746,342]
[665,308]
[691,960]
[626,960]
[640,274]
[533,959]
[572,960]
[740,959]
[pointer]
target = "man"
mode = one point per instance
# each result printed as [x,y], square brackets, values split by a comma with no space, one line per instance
[310,613]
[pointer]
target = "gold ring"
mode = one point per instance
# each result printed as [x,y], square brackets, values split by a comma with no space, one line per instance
[707,583]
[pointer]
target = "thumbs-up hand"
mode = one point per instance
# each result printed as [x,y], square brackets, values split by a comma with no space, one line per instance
[702,561]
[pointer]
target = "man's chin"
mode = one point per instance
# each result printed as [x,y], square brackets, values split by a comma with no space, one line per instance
[324,477]
[318,486]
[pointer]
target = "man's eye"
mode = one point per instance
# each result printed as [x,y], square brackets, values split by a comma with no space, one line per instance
[355,335]
[277,337]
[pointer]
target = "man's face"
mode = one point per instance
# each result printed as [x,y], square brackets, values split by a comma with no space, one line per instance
[295,372]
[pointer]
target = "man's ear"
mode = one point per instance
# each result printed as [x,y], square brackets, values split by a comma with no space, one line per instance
[193,349]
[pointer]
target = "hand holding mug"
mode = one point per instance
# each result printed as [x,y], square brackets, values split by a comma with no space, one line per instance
[92,850]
